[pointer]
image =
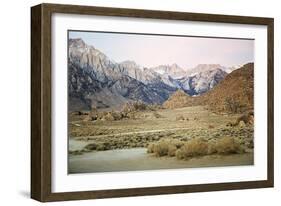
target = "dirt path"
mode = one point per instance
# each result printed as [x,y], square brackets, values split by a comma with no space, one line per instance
[137,159]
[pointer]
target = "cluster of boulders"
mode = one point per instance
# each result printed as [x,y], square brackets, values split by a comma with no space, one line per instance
[243,120]
[130,110]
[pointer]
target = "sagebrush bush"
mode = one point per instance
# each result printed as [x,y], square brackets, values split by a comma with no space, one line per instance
[234,106]
[161,148]
[212,149]
[134,106]
[98,146]
[150,148]
[164,147]
[228,145]
[91,146]
[172,150]
[211,126]
[179,154]
[194,147]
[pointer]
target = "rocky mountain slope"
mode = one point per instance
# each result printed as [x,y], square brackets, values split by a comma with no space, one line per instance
[202,82]
[94,80]
[233,94]
[173,70]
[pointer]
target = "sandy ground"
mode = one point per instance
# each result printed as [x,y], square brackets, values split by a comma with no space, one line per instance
[129,137]
[138,159]
[199,118]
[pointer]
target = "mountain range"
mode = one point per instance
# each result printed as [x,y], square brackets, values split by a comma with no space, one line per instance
[94,80]
[235,93]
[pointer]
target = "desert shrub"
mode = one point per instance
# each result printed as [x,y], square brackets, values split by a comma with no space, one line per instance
[243,120]
[241,124]
[229,124]
[100,115]
[154,107]
[103,146]
[150,148]
[99,146]
[93,114]
[234,106]
[172,150]
[247,118]
[108,117]
[179,154]
[117,115]
[75,152]
[177,143]
[211,126]
[212,148]
[131,115]
[228,145]
[194,147]
[161,148]
[250,144]
[79,113]
[134,106]
[91,146]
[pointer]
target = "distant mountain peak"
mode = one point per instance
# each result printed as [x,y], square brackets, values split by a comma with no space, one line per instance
[131,64]
[94,77]
[172,70]
[78,42]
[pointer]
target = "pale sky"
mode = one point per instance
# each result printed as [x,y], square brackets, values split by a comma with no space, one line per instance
[154,50]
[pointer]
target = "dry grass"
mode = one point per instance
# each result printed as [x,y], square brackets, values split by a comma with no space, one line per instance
[172,150]
[192,148]
[164,147]
[161,149]
[195,147]
[228,145]
[150,148]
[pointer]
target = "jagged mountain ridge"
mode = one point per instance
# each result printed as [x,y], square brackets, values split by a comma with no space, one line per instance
[97,81]
[203,81]
[235,93]
[93,78]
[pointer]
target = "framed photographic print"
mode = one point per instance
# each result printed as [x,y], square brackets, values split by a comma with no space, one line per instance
[130,102]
